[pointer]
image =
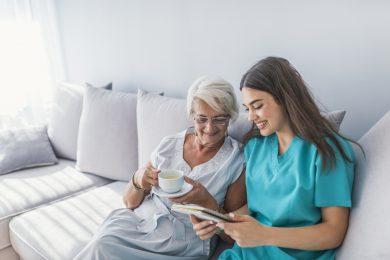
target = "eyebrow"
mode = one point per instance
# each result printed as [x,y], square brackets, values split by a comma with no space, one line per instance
[200,115]
[254,101]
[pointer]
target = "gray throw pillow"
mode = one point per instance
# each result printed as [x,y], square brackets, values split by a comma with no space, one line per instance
[22,148]
[335,118]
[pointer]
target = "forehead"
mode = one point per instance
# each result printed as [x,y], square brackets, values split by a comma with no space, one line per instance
[250,95]
[200,107]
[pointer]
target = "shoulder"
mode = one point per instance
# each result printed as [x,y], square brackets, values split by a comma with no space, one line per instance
[170,141]
[344,144]
[258,141]
[336,143]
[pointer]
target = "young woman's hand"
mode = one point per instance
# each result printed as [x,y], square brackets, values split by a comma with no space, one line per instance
[245,230]
[204,229]
[198,195]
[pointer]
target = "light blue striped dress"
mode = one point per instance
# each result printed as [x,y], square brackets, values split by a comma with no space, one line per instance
[152,231]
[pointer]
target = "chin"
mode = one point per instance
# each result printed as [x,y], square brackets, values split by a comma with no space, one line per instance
[266,133]
[211,141]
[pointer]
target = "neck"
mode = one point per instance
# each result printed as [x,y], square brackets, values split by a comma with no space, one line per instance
[284,139]
[199,146]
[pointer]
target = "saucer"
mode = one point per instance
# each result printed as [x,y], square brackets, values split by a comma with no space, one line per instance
[184,190]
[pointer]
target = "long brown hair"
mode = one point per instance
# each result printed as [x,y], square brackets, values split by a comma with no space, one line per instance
[279,78]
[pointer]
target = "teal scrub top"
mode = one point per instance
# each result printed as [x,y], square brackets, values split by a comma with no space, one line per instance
[289,191]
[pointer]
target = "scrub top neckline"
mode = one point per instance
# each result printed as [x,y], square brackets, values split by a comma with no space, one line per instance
[287,154]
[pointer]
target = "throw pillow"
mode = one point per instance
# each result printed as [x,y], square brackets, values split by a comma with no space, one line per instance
[23,148]
[335,118]
[157,117]
[107,138]
[64,120]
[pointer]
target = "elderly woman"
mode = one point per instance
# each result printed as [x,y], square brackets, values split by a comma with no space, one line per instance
[212,163]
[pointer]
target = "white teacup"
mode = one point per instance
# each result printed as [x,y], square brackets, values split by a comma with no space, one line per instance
[171,181]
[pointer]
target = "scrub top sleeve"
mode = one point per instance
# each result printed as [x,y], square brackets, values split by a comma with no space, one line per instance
[333,186]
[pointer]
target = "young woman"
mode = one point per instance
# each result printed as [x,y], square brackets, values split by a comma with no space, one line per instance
[299,173]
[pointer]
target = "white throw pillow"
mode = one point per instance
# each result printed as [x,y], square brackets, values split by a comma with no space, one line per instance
[64,120]
[107,138]
[157,117]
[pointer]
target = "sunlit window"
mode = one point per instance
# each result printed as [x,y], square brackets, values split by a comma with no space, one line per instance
[24,73]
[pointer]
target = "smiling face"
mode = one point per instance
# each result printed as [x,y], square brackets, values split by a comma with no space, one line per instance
[264,111]
[210,125]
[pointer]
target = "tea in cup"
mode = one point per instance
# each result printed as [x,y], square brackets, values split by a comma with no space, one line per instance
[171,181]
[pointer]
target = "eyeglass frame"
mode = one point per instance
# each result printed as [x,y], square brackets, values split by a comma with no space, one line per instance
[213,120]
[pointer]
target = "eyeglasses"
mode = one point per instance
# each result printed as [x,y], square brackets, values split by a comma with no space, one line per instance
[218,120]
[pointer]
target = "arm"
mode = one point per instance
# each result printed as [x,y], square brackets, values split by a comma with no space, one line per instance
[330,233]
[235,200]
[144,178]
[235,195]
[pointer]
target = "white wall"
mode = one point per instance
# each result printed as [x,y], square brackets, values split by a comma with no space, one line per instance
[340,47]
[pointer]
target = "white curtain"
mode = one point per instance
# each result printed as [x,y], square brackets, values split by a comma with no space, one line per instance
[29,61]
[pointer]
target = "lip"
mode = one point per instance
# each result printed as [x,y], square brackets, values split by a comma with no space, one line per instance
[260,124]
[210,134]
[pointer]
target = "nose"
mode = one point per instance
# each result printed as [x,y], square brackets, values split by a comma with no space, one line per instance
[209,125]
[251,115]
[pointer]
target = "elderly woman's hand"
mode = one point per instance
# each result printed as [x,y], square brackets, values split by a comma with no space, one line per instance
[198,195]
[204,229]
[147,177]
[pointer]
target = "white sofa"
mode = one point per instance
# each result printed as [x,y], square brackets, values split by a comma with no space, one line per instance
[51,212]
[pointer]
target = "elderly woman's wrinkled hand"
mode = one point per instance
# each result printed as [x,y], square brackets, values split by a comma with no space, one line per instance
[198,195]
[147,177]
[204,229]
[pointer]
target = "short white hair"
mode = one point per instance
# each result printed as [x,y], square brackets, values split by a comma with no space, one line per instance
[216,92]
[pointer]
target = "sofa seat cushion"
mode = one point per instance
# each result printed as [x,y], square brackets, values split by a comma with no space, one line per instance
[27,189]
[62,229]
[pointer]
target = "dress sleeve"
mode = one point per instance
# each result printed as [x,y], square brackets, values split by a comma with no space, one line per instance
[164,146]
[333,186]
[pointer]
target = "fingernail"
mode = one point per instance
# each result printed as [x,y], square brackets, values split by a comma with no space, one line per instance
[231,215]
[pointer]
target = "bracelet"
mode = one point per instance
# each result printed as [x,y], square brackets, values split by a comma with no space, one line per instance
[134,184]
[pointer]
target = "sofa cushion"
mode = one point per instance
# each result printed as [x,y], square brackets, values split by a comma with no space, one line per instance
[368,234]
[26,147]
[157,117]
[30,188]
[8,253]
[64,120]
[66,226]
[107,144]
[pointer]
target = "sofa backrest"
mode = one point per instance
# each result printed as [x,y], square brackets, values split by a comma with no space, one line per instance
[368,234]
